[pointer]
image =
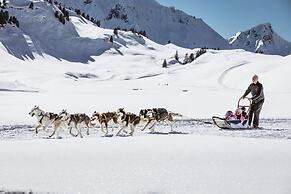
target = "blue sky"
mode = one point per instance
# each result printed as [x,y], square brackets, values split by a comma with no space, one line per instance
[230,16]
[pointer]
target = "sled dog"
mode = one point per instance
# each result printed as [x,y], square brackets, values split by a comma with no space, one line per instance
[156,115]
[44,119]
[66,120]
[104,119]
[127,119]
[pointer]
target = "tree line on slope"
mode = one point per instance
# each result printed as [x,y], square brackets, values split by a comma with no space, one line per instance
[188,58]
[5,19]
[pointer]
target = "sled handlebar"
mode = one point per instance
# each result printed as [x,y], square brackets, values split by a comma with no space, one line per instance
[240,106]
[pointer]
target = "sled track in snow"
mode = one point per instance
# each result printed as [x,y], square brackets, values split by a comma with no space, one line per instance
[272,129]
[21,91]
[223,75]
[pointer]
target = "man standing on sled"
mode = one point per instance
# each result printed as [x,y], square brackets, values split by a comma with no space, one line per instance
[256,89]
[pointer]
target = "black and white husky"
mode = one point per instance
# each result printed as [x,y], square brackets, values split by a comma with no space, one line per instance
[44,119]
[156,115]
[66,120]
[127,119]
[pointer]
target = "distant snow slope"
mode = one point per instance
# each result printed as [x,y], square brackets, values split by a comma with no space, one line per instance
[261,39]
[41,33]
[162,24]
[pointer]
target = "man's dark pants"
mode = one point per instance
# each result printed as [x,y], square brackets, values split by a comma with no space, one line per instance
[255,112]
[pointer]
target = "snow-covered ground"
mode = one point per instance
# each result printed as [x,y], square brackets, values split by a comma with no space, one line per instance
[147,164]
[271,129]
[82,72]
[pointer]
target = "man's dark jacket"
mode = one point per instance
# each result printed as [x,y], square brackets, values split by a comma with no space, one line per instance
[257,92]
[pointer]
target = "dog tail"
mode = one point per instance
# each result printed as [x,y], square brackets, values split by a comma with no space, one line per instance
[173,114]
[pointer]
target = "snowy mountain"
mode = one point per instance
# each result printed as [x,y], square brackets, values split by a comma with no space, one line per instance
[41,32]
[261,39]
[162,24]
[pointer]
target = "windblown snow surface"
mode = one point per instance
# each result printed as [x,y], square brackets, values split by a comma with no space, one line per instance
[129,74]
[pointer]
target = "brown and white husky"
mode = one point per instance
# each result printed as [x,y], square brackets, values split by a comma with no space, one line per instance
[104,119]
[66,120]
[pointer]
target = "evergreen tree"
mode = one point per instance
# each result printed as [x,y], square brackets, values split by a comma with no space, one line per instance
[6,15]
[14,20]
[165,64]
[78,11]
[10,20]
[111,39]
[16,23]
[177,56]
[200,52]
[66,13]
[115,31]
[56,14]
[143,33]
[186,59]
[132,30]
[31,5]
[98,23]
[62,19]
[2,19]
[191,58]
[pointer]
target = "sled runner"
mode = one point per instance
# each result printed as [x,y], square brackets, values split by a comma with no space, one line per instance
[235,124]
[168,133]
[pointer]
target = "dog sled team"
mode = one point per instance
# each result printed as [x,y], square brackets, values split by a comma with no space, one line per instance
[125,120]
[245,116]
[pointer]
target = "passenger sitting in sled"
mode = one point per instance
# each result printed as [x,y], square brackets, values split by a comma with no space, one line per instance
[237,118]
[239,115]
[229,116]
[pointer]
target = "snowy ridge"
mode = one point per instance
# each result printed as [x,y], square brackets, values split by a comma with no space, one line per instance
[261,39]
[41,33]
[162,24]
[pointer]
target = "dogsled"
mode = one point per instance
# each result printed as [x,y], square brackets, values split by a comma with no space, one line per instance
[237,120]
